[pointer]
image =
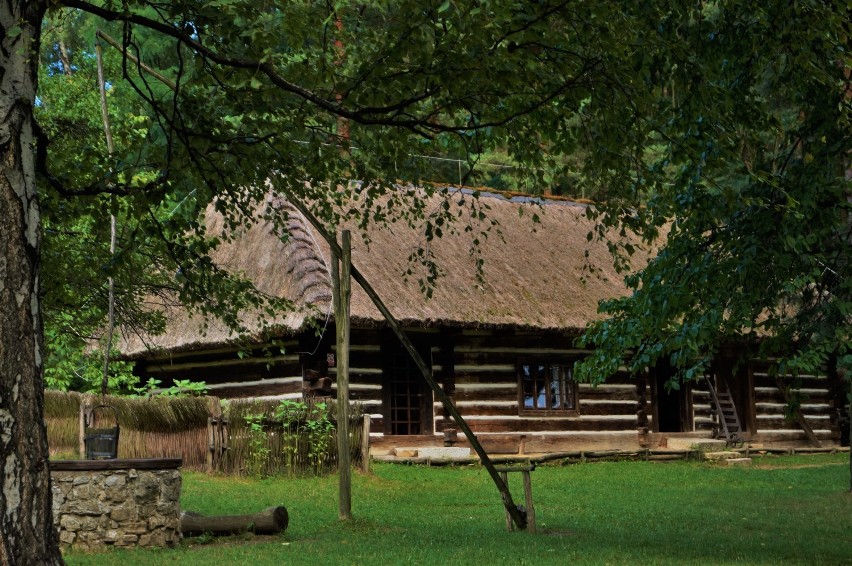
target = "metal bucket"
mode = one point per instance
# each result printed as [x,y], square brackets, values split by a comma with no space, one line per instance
[101,443]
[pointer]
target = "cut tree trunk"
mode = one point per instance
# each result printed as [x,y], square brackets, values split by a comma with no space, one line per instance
[270,521]
[27,535]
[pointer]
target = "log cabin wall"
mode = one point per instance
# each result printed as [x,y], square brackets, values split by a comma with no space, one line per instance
[371,352]
[479,371]
[270,372]
[817,404]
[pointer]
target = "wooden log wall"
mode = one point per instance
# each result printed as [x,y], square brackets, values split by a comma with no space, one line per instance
[703,412]
[365,374]
[817,408]
[485,368]
[261,372]
[478,369]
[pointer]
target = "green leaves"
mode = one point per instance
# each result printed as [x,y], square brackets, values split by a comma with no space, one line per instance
[758,242]
[719,129]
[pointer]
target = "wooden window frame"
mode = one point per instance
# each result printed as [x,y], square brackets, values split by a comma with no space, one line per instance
[569,389]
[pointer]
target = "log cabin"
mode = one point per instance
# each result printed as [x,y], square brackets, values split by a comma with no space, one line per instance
[516,285]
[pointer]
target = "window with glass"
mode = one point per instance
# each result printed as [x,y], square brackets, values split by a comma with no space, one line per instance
[547,387]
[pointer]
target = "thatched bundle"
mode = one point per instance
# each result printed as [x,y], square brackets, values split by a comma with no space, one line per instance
[62,418]
[158,427]
[168,427]
[160,414]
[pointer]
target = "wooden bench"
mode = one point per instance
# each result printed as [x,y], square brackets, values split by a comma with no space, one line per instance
[530,509]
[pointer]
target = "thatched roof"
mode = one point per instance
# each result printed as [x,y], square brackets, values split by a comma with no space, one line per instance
[536,276]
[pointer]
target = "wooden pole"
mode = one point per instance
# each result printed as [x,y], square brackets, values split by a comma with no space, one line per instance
[270,521]
[511,509]
[365,445]
[797,413]
[136,61]
[110,280]
[342,283]
[84,409]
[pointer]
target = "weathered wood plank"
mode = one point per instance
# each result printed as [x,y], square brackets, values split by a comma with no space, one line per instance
[238,391]
[270,521]
[551,424]
[212,374]
[117,464]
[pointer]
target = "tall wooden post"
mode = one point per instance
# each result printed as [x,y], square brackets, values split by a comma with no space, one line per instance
[517,517]
[365,444]
[342,282]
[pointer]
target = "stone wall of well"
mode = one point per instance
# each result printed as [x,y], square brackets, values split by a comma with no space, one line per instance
[129,507]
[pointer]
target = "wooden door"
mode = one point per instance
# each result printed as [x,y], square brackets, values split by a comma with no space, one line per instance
[407,397]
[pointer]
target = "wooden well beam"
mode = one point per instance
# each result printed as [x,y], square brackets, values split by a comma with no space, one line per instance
[517,517]
[341,281]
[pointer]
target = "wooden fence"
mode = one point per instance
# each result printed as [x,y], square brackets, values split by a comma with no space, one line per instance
[199,430]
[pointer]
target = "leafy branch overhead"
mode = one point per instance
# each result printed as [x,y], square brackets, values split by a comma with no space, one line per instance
[264,100]
[698,127]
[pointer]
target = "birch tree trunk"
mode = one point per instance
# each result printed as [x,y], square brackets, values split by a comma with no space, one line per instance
[27,535]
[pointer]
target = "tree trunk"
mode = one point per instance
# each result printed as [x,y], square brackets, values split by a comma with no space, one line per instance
[27,535]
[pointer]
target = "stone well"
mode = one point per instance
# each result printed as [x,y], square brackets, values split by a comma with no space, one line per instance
[120,502]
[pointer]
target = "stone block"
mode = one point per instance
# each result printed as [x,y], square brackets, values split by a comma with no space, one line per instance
[167,508]
[136,528]
[156,521]
[127,540]
[116,495]
[86,507]
[738,461]
[147,489]
[724,455]
[700,444]
[405,452]
[170,489]
[115,480]
[69,523]
[443,452]
[147,510]
[123,513]
[89,523]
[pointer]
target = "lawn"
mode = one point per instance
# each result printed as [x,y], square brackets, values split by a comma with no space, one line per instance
[791,509]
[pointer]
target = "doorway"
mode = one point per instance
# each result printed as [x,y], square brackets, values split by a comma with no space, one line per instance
[671,406]
[407,397]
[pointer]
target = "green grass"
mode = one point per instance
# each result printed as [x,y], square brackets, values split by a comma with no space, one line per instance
[782,510]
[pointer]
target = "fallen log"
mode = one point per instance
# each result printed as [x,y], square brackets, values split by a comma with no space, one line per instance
[270,521]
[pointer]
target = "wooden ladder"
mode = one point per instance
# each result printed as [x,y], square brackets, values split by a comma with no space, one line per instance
[726,411]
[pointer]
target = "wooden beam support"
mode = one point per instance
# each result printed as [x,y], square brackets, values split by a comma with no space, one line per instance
[797,413]
[341,262]
[517,517]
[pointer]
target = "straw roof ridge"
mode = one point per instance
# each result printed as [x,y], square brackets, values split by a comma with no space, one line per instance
[305,262]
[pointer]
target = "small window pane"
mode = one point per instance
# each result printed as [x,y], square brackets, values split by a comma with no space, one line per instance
[548,387]
[556,387]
